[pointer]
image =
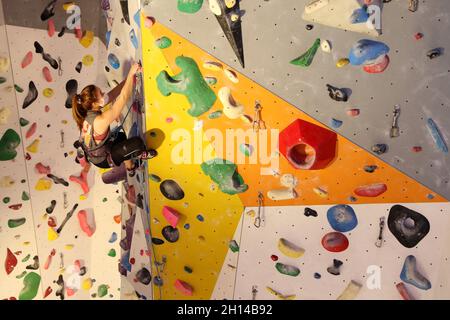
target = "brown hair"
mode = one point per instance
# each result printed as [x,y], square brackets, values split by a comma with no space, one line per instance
[82,103]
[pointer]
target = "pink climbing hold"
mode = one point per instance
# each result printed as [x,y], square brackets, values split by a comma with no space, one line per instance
[184,287]
[82,178]
[47,74]
[378,67]
[40,168]
[77,265]
[171,215]
[84,223]
[51,28]
[49,259]
[353,112]
[70,291]
[31,131]
[10,261]
[371,190]
[27,60]
[47,108]
[149,22]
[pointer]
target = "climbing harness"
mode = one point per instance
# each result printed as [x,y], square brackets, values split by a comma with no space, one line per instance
[257,222]
[258,123]
[379,241]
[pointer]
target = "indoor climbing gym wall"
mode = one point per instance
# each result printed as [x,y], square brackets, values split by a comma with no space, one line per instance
[335,185]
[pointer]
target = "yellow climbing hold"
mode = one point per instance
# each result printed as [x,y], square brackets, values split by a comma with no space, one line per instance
[212,65]
[43,184]
[279,295]
[88,60]
[86,284]
[289,249]
[52,234]
[34,146]
[69,246]
[6,182]
[320,192]
[26,243]
[342,62]
[251,213]
[67,5]
[48,92]
[83,197]
[87,39]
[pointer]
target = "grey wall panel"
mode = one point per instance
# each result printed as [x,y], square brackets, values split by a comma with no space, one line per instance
[274,34]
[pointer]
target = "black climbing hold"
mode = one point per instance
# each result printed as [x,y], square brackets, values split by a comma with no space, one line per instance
[125,12]
[35,264]
[370,169]
[79,66]
[337,94]
[434,53]
[188,269]
[31,96]
[380,148]
[309,27]
[71,88]
[408,226]
[144,276]
[157,241]
[117,42]
[334,269]
[317,275]
[48,58]
[157,281]
[310,212]
[171,190]
[58,180]
[50,209]
[61,33]
[49,11]
[170,233]
[107,69]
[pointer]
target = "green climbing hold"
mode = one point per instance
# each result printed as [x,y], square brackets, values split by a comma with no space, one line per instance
[246,149]
[20,276]
[306,59]
[190,83]
[105,199]
[154,177]
[14,223]
[234,247]
[211,80]
[25,196]
[163,42]
[224,173]
[23,122]
[287,269]
[18,89]
[102,290]
[112,253]
[2,80]
[26,258]
[215,114]
[6,200]
[31,286]
[190,6]
[8,144]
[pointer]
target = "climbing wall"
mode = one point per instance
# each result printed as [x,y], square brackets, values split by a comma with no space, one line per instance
[78,257]
[346,171]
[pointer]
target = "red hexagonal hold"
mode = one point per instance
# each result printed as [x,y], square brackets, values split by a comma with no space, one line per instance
[307,146]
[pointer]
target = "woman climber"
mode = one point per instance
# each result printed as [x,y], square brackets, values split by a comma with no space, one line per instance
[101,147]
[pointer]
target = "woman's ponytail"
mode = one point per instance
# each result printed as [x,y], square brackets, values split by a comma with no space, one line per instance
[82,103]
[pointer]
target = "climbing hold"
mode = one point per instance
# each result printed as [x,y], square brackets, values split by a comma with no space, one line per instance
[87,284]
[171,215]
[23,122]
[416,149]
[342,218]
[6,200]
[87,39]
[365,52]
[231,108]
[34,146]
[102,290]
[289,249]
[14,223]
[10,261]
[211,81]
[317,275]
[117,219]
[15,206]
[149,22]
[39,49]
[49,10]
[87,60]
[200,218]
[154,177]
[320,192]
[335,123]
[171,190]
[372,190]
[112,253]
[27,59]
[170,233]
[224,173]
[189,6]
[378,65]
[52,234]
[213,66]
[157,241]
[325,45]
[310,212]
[342,62]
[30,288]
[133,39]
[58,180]
[4,115]
[437,136]
[163,42]
[2,80]
[35,264]
[379,149]
[233,245]
[9,142]
[279,295]
[86,222]
[48,92]
[408,226]
[353,112]
[401,288]
[113,237]
[31,130]
[246,149]
[40,168]
[189,83]
[307,146]
[412,276]
[337,94]
[334,269]
[144,276]
[335,242]
[4,64]
[287,269]
[184,287]
[434,53]
[288,180]
[51,28]
[18,89]
[370,169]
[282,194]
[351,291]
[306,59]
[31,96]
[78,67]
[231,75]
[7,181]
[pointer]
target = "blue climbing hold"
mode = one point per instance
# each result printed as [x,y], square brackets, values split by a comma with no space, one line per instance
[200,218]
[125,261]
[137,18]
[437,136]
[113,238]
[366,51]
[342,218]
[134,39]
[113,61]
[359,15]
[108,38]
[335,123]
[412,276]
[187,226]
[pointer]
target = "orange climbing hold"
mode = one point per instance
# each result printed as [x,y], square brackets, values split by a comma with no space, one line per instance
[51,28]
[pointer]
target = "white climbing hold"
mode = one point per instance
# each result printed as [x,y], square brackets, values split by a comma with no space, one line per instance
[212,65]
[350,292]
[289,249]
[282,194]
[231,75]
[315,5]
[325,45]
[231,108]
[4,115]
[214,6]
[288,180]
